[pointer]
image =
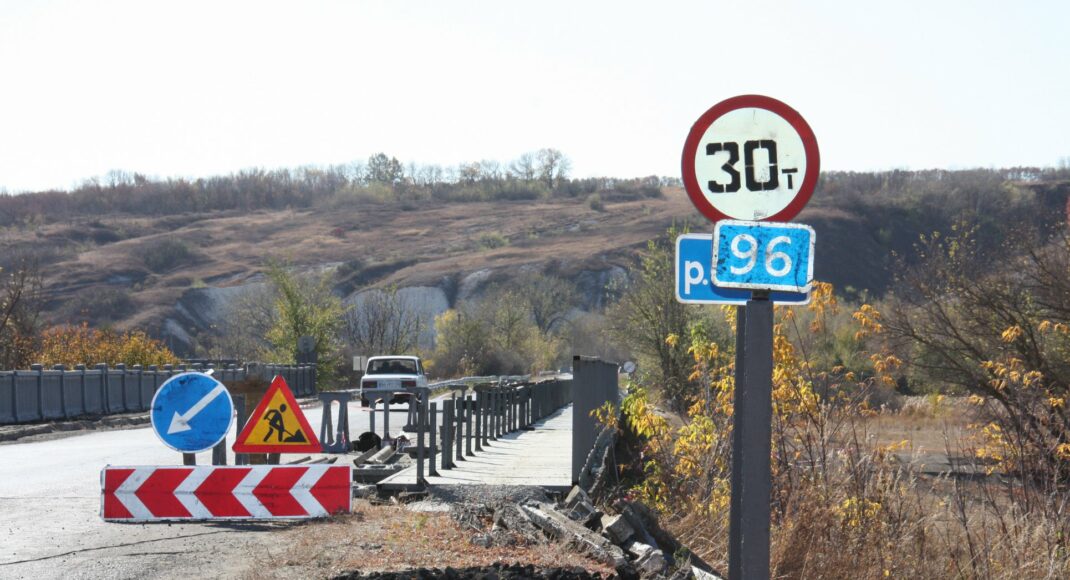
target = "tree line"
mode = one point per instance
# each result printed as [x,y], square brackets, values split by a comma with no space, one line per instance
[381,178]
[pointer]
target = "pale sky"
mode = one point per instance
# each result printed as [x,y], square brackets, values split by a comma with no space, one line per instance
[191,89]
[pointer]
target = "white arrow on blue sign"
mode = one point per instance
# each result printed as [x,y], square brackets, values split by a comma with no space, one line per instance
[694,283]
[192,412]
[763,256]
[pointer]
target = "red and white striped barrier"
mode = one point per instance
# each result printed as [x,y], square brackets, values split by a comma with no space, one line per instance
[142,494]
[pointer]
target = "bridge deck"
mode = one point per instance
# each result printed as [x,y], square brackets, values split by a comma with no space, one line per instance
[542,457]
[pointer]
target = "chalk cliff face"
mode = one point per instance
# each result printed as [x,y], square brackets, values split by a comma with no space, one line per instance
[199,311]
[174,276]
[427,301]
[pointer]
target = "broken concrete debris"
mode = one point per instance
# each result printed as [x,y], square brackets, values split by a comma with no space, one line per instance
[629,540]
[652,564]
[617,529]
[639,550]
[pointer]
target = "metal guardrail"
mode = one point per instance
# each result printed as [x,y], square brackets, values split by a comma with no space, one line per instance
[42,395]
[469,423]
[467,381]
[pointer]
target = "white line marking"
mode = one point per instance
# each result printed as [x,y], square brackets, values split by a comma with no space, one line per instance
[125,494]
[184,492]
[244,492]
[302,490]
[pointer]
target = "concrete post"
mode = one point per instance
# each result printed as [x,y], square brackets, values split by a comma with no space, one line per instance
[477,402]
[371,416]
[121,367]
[81,376]
[40,370]
[420,451]
[386,420]
[105,403]
[433,412]
[501,413]
[484,396]
[62,389]
[468,426]
[242,417]
[447,433]
[219,453]
[15,395]
[458,419]
[136,369]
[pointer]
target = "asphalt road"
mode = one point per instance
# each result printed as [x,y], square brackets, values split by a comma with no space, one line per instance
[50,524]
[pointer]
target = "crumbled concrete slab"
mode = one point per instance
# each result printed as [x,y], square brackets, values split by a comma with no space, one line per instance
[617,529]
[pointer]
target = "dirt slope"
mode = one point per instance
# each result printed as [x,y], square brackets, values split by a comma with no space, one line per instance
[109,270]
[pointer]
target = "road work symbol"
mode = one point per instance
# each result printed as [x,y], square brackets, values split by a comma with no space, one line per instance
[191,412]
[277,425]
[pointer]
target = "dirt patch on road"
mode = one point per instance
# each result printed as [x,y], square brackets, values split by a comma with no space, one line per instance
[392,538]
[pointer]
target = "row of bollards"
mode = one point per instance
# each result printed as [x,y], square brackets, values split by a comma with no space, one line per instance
[471,422]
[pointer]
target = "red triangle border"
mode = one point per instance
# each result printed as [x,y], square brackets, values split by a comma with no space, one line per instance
[241,443]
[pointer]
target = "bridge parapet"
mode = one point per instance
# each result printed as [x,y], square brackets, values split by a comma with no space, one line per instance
[594,383]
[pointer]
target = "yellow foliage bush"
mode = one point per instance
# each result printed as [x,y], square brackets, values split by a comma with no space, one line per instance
[843,507]
[74,345]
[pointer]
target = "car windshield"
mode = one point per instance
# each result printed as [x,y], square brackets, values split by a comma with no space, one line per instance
[392,366]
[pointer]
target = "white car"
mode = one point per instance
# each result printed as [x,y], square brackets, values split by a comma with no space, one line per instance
[391,372]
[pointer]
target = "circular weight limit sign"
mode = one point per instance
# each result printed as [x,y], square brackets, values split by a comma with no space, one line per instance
[750,158]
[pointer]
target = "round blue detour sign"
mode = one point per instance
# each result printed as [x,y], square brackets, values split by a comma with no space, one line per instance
[192,412]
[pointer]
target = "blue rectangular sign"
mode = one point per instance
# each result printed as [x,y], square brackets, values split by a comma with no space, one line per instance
[763,256]
[694,285]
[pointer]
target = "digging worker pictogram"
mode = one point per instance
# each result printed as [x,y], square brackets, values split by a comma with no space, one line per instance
[277,426]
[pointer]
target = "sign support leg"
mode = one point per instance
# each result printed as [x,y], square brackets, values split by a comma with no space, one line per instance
[752,442]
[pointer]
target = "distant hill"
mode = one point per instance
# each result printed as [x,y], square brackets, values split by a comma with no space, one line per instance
[171,273]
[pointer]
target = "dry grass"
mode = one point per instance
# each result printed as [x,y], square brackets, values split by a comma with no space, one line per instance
[890,504]
[375,538]
[232,246]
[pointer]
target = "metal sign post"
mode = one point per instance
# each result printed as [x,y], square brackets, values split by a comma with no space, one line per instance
[752,442]
[749,158]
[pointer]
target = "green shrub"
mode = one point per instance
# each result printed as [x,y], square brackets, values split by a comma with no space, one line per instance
[493,240]
[595,202]
[167,254]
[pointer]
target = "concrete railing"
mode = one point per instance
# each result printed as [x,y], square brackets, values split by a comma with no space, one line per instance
[43,395]
[471,422]
[594,383]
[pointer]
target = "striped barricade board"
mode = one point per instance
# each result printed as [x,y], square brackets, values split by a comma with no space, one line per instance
[259,492]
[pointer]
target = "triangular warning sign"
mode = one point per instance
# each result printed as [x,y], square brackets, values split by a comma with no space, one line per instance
[277,425]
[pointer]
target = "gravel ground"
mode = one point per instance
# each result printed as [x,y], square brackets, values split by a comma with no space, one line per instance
[488,495]
[493,572]
[396,539]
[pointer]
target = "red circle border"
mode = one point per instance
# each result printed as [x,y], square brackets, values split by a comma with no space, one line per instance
[813,158]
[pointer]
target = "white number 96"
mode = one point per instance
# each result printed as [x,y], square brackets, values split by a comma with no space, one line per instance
[751,255]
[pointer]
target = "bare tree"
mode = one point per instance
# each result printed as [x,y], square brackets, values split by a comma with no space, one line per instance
[20,310]
[553,166]
[648,313]
[241,331]
[383,322]
[524,167]
[1001,334]
[469,173]
[550,298]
